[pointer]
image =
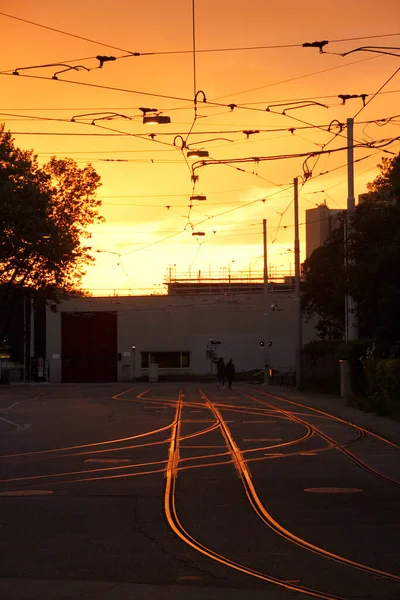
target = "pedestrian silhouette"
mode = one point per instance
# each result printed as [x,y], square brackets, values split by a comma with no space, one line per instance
[230,373]
[220,372]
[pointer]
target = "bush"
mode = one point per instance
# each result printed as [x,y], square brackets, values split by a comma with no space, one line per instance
[321,364]
[355,352]
[383,380]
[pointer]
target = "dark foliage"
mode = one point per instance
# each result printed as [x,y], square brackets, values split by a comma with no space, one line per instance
[372,276]
[44,215]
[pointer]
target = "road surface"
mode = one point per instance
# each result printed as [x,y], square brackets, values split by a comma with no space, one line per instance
[186,490]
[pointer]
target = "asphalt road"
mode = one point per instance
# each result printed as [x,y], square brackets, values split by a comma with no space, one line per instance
[168,490]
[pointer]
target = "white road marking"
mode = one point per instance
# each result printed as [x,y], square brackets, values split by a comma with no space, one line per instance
[262,439]
[114,461]
[197,421]
[308,454]
[333,490]
[259,421]
[15,404]
[12,493]
[183,446]
[17,425]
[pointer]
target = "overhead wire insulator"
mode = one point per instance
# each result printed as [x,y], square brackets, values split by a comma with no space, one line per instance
[103,59]
[319,45]
[249,132]
[344,97]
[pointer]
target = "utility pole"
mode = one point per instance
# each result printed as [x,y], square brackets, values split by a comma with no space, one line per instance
[351,326]
[31,338]
[266,306]
[297,303]
[25,339]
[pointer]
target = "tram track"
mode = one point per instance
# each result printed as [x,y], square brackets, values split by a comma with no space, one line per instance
[177,527]
[174,464]
[334,417]
[245,476]
[112,472]
[128,470]
[334,443]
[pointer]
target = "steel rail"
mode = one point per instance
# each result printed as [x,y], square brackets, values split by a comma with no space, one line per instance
[180,531]
[338,446]
[317,410]
[266,517]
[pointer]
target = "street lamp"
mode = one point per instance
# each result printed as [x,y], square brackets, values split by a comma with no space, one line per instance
[133,364]
[197,154]
[152,117]
[156,120]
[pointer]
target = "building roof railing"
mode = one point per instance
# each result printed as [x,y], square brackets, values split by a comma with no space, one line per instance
[212,283]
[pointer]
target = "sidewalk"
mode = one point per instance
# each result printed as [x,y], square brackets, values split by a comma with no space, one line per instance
[29,589]
[336,406]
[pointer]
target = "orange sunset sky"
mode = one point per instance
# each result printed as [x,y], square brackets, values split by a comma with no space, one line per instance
[146,181]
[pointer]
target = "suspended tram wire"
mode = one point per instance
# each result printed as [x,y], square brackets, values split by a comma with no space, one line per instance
[175,234]
[194,65]
[303,99]
[74,35]
[377,92]
[305,126]
[208,162]
[211,103]
[107,108]
[179,232]
[280,46]
[292,79]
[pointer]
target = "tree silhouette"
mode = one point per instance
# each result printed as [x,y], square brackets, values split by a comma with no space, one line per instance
[372,277]
[44,215]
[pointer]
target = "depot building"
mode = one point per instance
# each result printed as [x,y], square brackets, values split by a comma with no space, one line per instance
[108,339]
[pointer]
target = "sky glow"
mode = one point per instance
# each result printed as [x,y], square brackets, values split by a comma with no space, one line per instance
[261,103]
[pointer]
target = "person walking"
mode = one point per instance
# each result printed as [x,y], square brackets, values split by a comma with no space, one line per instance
[220,372]
[230,372]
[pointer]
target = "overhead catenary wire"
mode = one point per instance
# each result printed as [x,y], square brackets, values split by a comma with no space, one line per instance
[212,102]
[107,108]
[74,35]
[207,162]
[221,214]
[99,43]
[377,92]
[175,108]
[271,129]
[311,127]
[268,85]
[209,218]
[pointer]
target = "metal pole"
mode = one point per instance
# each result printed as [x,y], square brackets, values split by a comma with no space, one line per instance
[25,338]
[351,203]
[351,326]
[266,306]
[299,333]
[31,338]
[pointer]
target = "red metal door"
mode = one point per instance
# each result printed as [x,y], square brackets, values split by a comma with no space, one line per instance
[89,346]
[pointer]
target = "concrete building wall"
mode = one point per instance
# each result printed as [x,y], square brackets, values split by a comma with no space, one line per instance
[320,222]
[186,324]
[317,228]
